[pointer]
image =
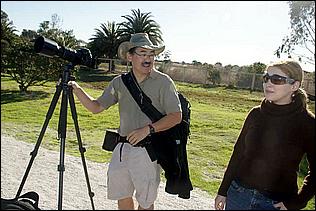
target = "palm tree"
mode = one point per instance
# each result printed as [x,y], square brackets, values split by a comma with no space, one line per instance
[68,39]
[29,34]
[141,22]
[7,38]
[7,28]
[105,42]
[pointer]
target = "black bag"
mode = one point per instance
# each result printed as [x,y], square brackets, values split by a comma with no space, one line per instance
[110,140]
[27,201]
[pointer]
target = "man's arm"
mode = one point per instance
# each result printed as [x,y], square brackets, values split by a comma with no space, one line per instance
[164,123]
[167,121]
[87,101]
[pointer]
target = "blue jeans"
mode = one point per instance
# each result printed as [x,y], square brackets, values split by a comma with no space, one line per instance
[240,198]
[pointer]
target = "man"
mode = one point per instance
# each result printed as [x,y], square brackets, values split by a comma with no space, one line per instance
[131,168]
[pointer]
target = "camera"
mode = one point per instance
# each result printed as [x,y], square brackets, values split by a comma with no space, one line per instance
[50,48]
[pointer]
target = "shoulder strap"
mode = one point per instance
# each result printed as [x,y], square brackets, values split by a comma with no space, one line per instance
[143,101]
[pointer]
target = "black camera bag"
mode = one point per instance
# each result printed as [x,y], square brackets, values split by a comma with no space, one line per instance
[27,201]
[110,140]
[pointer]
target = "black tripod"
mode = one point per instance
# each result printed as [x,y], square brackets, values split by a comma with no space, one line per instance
[62,86]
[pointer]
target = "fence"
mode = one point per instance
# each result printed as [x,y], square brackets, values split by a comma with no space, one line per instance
[199,75]
[110,65]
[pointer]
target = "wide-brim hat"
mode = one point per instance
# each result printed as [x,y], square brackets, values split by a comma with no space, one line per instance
[138,40]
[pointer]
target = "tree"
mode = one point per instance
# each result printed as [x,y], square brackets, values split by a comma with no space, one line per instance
[218,65]
[228,67]
[7,38]
[69,40]
[213,74]
[196,63]
[53,31]
[27,68]
[29,34]
[7,29]
[165,56]
[302,36]
[140,22]
[105,42]
[257,67]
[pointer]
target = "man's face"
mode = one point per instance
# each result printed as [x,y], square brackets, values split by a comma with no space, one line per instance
[142,60]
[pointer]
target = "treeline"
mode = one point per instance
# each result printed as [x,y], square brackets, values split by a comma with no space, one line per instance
[19,60]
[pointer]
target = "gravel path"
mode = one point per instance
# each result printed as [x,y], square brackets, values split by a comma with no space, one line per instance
[43,178]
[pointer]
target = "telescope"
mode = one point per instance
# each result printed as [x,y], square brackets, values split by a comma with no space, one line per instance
[50,48]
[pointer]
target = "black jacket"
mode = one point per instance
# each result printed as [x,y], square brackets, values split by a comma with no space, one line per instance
[171,154]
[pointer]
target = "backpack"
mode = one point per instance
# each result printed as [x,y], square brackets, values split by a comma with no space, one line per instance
[184,126]
[27,201]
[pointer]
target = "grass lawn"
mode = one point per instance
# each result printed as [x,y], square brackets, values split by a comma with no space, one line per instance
[216,119]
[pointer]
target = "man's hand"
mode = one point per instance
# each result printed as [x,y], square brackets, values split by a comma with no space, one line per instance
[137,135]
[74,85]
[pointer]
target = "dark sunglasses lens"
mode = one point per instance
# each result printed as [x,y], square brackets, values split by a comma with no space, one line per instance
[278,80]
[275,79]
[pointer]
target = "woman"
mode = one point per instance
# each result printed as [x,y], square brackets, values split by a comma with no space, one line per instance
[262,171]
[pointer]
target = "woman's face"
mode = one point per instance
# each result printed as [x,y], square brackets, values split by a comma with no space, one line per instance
[278,87]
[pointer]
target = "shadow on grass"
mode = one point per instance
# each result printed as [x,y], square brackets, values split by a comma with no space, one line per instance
[11,96]
[93,75]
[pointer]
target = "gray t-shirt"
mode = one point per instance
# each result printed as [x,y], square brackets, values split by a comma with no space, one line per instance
[158,86]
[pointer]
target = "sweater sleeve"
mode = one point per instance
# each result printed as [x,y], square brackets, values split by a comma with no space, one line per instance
[234,159]
[307,190]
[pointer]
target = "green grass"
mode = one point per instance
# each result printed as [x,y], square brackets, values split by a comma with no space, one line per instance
[216,119]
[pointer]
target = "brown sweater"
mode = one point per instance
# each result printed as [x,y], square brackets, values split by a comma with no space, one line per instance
[268,152]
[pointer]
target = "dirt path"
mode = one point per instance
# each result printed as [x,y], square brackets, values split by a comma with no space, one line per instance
[44,179]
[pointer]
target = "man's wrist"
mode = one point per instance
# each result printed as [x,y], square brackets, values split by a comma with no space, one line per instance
[151,129]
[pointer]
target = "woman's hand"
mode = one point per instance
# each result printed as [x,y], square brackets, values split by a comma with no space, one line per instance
[220,202]
[280,206]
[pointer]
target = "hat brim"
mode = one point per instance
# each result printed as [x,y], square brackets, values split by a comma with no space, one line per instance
[126,46]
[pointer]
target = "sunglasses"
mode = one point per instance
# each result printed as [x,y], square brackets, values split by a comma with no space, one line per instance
[144,54]
[277,79]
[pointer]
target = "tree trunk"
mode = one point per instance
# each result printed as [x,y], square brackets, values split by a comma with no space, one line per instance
[23,88]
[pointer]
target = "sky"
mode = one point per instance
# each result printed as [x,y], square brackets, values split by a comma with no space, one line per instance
[229,32]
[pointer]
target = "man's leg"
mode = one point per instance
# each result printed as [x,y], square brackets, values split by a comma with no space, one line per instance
[126,204]
[146,179]
[149,208]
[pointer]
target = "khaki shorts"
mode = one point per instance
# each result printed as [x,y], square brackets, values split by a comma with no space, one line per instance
[135,171]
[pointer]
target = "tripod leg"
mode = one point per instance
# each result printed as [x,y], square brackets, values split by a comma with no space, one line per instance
[81,148]
[62,136]
[39,140]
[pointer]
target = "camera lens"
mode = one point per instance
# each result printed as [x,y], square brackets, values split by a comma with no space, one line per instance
[50,48]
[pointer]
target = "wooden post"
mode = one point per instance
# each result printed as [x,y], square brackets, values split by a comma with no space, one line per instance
[253,82]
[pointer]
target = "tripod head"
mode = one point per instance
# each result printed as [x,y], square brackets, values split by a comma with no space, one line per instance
[50,48]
